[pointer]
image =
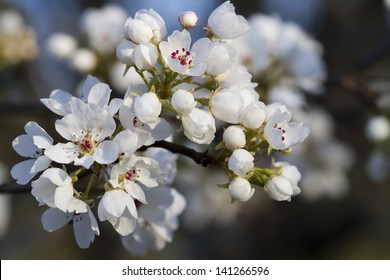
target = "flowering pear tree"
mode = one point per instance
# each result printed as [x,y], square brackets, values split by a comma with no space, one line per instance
[117,159]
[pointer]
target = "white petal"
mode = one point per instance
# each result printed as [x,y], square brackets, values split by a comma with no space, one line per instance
[62,197]
[32,128]
[99,95]
[89,82]
[127,141]
[77,206]
[114,202]
[152,214]
[86,161]
[24,146]
[57,102]
[114,106]
[58,177]
[21,171]
[135,191]
[131,205]
[62,153]
[135,243]
[40,164]
[160,130]
[83,231]
[125,224]
[41,142]
[106,152]
[43,190]
[126,116]
[53,219]
[71,127]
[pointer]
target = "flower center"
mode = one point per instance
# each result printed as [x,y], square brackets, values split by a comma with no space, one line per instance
[276,126]
[184,56]
[132,174]
[87,144]
[39,153]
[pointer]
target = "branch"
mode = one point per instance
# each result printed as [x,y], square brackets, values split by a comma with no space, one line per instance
[203,159]
[345,81]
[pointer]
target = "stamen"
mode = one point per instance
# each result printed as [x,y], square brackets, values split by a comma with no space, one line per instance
[184,57]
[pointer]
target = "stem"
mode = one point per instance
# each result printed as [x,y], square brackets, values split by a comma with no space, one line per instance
[92,181]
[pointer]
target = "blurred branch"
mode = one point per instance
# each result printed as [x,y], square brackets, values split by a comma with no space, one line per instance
[345,81]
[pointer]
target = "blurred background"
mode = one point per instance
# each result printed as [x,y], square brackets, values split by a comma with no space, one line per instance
[349,220]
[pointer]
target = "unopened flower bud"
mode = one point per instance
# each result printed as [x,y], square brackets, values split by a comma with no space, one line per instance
[145,55]
[188,19]
[279,188]
[183,101]
[234,137]
[240,189]
[241,162]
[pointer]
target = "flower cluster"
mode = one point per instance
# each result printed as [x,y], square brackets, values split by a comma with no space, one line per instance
[106,159]
[288,65]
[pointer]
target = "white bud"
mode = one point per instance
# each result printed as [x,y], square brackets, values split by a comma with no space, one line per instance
[234,137]
[378,128]
[240,189]
[279,188]
[183,101]
[241,162]
[188,19]
[124,52]
[227,106]
[147,107]
[253,116]
[225,23]
[138,31]
[145,56]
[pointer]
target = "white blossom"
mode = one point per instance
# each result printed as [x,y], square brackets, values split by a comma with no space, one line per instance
[54,188]
[86,128]
[180,58]
[33,145]
[281,133]
[157,221]
[154,128]
[225,23]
